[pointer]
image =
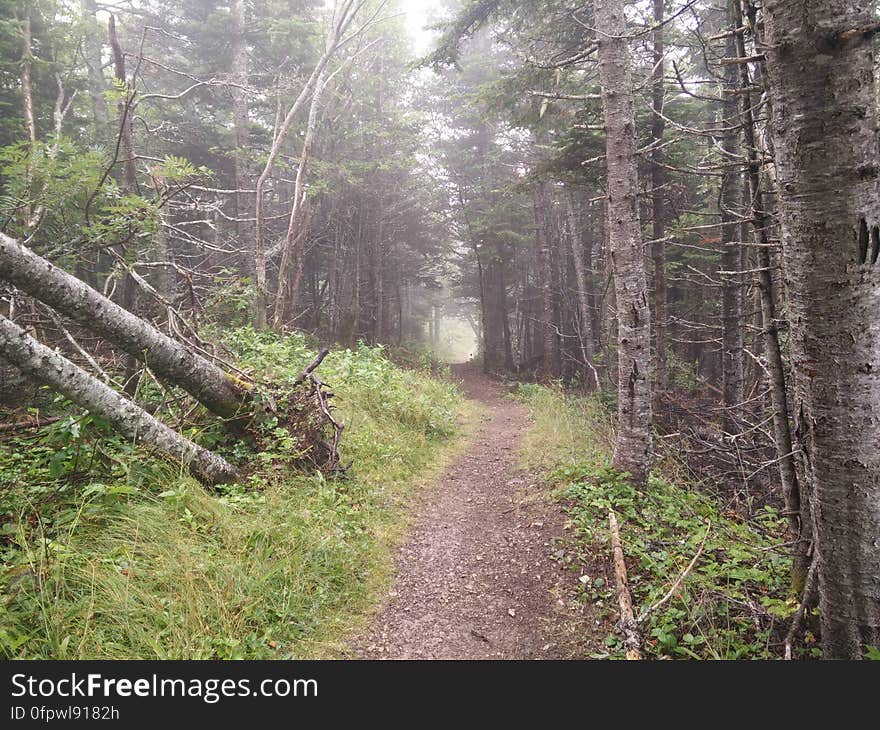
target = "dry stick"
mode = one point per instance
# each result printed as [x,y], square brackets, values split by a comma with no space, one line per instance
[312,366]
[632,638]
[30,423]
[807,601]
[671,592]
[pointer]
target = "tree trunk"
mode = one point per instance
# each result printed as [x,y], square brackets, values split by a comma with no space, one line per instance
[91,46]
[658,212]
[241,119]
[40,363]
[633,449]
[170,360]
[581,260]
[27,62]
[496,344]
[294,240]
[541,207]
[821,82]
[730,201]
[797,502]
[342,19]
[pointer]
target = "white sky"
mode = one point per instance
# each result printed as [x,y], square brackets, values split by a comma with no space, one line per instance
[420,13]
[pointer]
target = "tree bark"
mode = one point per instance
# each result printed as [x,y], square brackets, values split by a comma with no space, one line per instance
[821,82]
[40,363]
[169,359]
[730,200]
[658,212]
[795,494]
[633,448]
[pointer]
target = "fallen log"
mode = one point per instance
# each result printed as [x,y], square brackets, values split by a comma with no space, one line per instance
[222,394]
[303,410]
[628,625]
[43,364]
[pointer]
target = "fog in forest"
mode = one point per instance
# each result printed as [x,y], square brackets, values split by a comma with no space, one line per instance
[452,329]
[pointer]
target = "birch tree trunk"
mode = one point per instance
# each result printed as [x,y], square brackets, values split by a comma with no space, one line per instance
[633,449]
[820,70]
[169,359]
[42,364]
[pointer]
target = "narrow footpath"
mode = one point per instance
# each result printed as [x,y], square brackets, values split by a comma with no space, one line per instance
[481,575]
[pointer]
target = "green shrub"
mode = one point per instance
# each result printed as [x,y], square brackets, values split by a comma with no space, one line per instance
[110,553]
[733,602]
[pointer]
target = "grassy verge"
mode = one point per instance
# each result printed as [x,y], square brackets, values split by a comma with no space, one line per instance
[733,602]
[108,553]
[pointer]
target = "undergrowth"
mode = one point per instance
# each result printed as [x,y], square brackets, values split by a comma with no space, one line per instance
[732,604]
[111,553]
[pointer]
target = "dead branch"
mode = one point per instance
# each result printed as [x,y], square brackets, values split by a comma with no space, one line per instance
[628,624]
[671,592]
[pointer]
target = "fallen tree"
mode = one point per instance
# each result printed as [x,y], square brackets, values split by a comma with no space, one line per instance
[43,364]
[222,394]
[304,410]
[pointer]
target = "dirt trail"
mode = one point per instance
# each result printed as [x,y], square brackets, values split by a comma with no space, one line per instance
[480,575]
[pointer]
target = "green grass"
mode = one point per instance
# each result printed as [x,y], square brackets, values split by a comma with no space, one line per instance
[565,428]
[129,558]
[732,604]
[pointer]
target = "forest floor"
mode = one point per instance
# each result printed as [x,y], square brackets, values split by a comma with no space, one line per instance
[482,574]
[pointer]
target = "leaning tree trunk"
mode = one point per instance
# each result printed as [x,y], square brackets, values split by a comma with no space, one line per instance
[633,449]
[821,82]
[42,364]
[168,359]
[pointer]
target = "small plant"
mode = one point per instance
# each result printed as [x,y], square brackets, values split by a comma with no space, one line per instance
[109,553]
[733,603]
[732,600]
